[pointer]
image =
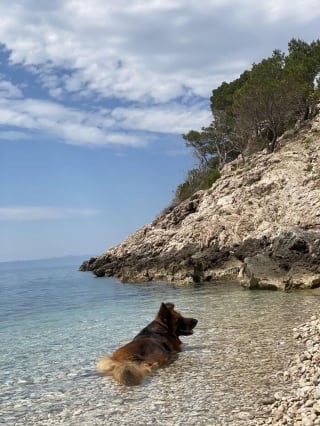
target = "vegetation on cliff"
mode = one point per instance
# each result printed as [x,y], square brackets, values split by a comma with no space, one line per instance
[251,112]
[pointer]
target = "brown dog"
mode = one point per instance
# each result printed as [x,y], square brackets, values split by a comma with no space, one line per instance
[153,347]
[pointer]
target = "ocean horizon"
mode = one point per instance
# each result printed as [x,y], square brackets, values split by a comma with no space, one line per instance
[72,258]
[56,322]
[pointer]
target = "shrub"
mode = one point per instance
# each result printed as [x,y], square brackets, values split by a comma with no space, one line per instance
[196,180]
[210,177]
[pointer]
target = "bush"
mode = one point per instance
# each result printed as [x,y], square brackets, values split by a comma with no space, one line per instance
[184,191]
[196,179]
[210,178]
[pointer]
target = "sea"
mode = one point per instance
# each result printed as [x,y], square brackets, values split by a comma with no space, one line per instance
[56,322]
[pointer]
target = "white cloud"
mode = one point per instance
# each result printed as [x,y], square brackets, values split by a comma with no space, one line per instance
[141,49]
[8,90]
[178,118]
[158,55]
[101,127]
[66,124]
[29,213]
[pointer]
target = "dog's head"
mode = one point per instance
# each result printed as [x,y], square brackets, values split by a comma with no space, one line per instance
[174,321]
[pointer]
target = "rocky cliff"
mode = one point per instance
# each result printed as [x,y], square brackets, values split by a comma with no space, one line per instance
[259,224]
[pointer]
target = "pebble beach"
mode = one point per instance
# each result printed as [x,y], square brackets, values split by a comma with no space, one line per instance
[299,403]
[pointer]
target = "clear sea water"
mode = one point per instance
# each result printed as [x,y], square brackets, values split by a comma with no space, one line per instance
[55,323]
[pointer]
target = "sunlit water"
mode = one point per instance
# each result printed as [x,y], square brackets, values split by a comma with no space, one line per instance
[55,323]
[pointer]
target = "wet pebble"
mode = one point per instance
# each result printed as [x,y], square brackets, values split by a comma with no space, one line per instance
[228,375]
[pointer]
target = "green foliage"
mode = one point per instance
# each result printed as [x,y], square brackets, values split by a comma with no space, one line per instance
[196,180]
[222,97]
[213,142]
[183,191]
[190,186]
[266,103]
[252,111]
[209,178]
[302,67]
[199,143]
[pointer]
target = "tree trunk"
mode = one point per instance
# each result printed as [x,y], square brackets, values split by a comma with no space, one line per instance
[273,143]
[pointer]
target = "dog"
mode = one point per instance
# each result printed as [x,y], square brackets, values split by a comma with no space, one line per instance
[155,346]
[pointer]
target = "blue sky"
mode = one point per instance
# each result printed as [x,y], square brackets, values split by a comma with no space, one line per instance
[94,97]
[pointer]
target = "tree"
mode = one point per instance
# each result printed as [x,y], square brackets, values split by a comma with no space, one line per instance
[232,136]
[254,110]
[302,66]
[223,97]
[267,101]
[198,143]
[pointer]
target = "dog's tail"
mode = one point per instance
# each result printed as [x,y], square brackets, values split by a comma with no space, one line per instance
[128,373]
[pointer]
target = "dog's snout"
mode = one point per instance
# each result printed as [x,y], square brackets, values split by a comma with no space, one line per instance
[194,322]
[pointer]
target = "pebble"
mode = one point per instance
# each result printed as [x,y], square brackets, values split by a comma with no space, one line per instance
[244,416]
[299,404]
[217,381]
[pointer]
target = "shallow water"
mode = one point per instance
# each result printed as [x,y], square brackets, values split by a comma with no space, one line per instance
[56,322]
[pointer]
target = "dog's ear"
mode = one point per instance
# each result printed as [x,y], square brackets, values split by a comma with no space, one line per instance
[170,306]
[164,312]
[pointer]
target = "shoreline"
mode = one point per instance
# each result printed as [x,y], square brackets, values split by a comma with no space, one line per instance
[233,361]
[299,403]
[259,224]
[255,263]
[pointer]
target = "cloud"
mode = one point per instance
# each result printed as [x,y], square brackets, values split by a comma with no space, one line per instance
[142,66]
[299,11]
[8,90]
[130,126]
[29,213]
[57,121]
[177,118]
[142,50]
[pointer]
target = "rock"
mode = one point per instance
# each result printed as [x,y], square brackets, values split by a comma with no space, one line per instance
[258,225]
[306,421]
[261,272]
[245,416]
[300,404]
[267,400]
[278,395]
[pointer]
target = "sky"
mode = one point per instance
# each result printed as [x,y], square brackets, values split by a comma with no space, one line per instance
[94,98]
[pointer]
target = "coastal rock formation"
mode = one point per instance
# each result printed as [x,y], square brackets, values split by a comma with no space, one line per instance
[259,224]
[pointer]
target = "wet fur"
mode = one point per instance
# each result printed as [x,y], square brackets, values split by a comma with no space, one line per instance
[155,346]
[125,372]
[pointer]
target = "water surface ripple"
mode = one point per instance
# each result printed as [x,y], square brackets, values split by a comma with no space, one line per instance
[55,323]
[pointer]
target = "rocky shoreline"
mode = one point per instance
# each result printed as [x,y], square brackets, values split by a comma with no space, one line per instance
[258,224]
[289,261]
[300,404]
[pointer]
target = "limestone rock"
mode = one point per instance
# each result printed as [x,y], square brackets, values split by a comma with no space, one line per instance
[299,405]
[258,224]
